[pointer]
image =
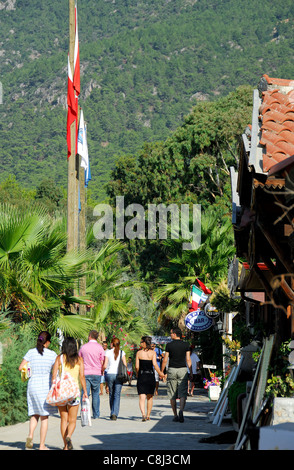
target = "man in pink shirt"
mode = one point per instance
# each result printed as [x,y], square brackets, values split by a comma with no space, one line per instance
[93,355]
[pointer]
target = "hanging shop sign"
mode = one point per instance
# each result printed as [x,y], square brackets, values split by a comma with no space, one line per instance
[161,339]
[198,321]
[211,311]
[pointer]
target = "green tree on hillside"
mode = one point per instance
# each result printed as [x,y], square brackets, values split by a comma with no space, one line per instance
[193,164]
[144,65]
[191,167]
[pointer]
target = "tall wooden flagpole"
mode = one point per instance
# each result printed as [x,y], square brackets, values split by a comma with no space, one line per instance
[72,228]
[72,195]
[76,181]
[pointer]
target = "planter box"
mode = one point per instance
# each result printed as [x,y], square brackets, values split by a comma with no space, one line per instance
[278,437]
[283,410]
[214,392]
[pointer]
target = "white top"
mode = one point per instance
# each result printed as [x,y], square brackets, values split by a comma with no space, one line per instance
[112,363]
[194,360]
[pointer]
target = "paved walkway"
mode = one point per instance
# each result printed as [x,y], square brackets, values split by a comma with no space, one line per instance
[129,433]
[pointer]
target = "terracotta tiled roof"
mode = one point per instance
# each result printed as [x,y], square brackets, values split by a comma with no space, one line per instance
[277,121]
[275,183]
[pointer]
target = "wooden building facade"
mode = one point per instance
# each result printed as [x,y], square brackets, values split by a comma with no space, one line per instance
[263,208]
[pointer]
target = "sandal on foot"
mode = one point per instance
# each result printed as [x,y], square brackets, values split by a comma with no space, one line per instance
[69,443]
[29,443]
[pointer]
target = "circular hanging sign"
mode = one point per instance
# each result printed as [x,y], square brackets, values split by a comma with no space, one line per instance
[211,311]
[197,321]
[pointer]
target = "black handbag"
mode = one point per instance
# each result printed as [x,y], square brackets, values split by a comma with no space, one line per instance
[122,375]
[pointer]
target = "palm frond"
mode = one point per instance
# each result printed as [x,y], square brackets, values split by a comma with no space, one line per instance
[77,326]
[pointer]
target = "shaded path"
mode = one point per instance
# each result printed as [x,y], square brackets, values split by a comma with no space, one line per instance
[129,432]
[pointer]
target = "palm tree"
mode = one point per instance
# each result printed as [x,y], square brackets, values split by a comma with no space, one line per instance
[208,262]
[39,278]
[37,274]
[4,321]
[108,285]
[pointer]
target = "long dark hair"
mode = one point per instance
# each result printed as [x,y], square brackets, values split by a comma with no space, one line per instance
[70,351]
[43,337]
[147,340]
[116,346]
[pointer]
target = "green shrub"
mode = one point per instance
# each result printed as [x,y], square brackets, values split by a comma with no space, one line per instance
[236,389]
[16,342]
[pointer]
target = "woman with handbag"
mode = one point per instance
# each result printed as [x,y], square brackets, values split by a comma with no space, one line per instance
[74,365]
[41,360]
[146,363]
[111,363]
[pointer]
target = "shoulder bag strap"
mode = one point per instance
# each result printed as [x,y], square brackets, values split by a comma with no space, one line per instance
[62,365]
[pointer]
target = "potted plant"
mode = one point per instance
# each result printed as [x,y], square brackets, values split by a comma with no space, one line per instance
[213,387]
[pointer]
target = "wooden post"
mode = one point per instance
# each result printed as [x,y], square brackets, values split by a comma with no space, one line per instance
[71,174]
[76,227]
[72,194]
[82,217]
[82,231]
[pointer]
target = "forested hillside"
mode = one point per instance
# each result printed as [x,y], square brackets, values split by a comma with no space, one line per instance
[190,167]
[144,65]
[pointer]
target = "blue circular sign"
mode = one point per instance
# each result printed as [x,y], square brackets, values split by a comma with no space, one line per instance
[197,321]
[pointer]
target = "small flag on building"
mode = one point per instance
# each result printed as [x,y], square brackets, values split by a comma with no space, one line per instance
[204,288]
[197,298]
[83,148]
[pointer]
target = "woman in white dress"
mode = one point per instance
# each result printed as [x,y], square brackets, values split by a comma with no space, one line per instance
[41,360]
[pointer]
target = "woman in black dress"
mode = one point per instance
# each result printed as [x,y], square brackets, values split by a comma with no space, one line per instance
[145,365]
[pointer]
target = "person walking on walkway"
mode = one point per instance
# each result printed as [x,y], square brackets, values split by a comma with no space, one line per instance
[93,356]
[194,361]
[159,357]
[41,361]
[130,370]
[111,362]
[103,381]
[74,365]
[177,352]
[146,363]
